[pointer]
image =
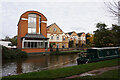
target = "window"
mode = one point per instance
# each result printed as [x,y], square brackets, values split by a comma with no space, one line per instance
[57,45]
[32,44]
[32,23]
[31,18]
[83,38]
[75,37]
[42,45]
[57,37]
[54,29]
[64,38]
[25,44]
[39,45]
[116,52]
[64,45]
[35,44]
[51,37]
[9,44]
[31,30]
[29,45]
[39,24]
[108,53]
[46,45]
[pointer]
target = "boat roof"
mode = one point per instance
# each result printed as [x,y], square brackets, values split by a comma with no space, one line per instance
[105,48]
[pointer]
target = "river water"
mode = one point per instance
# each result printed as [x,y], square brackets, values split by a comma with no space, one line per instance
[37,63]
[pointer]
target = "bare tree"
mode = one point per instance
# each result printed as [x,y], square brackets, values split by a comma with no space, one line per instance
[114,8]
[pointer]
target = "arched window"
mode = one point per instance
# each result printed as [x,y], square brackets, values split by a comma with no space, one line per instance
[31,23]
[39,24]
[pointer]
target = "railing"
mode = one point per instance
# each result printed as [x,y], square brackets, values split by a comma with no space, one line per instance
[67,49]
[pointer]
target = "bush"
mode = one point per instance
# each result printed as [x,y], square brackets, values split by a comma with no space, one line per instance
[13,53]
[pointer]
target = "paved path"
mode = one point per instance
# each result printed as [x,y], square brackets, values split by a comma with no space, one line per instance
[92,73]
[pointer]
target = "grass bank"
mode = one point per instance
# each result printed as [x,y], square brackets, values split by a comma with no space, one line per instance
[13,53]
[109,75]
[66,52]
[64,72]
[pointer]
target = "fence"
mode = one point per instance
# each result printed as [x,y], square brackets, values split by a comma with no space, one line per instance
[66,49]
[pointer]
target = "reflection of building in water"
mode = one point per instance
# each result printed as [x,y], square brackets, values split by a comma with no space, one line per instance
[59,59]
[8,68]
[19,66]
[35,63]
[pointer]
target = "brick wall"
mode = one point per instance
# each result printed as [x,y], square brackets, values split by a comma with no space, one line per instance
[23,26]
[35,50]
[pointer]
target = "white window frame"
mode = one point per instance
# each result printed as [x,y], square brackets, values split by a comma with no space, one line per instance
[37,41]
[32,19]
[54,29]
[57,37]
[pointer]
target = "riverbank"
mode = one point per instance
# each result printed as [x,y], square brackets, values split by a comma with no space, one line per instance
[13,53]
[64,72]
[97,73]
[66,52]
[111,75]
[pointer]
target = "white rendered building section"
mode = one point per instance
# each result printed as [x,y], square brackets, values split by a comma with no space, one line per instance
[5,43]
[54,37]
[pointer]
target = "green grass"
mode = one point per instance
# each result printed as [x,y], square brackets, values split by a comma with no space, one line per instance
[111,75]
[67,71]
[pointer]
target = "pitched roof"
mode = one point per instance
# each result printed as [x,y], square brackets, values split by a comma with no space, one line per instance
[79,34]
[54,24]
[70,32]
[40,36]
[50,25]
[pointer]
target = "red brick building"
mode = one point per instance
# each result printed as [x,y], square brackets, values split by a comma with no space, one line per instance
[32,33]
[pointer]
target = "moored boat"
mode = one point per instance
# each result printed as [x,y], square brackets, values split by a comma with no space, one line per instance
[98,54]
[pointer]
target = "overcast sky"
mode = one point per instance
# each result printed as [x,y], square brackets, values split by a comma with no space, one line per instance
[69,15]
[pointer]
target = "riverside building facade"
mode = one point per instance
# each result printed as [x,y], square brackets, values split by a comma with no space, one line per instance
[32,33]
[57,38]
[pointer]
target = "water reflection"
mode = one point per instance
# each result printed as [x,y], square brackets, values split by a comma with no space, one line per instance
[19,66]
[37,63]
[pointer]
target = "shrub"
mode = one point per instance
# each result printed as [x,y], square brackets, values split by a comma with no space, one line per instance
[13,53]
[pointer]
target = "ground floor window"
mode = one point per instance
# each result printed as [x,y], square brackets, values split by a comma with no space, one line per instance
[63,46]
[25,44]
[35,44]
[28,45]
[46,45]
[57,45]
